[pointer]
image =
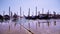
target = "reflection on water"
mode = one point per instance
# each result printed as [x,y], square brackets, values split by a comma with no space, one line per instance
[32,26]
[55,23]
[29,25]
[9,27]
[38,23]
[48,24]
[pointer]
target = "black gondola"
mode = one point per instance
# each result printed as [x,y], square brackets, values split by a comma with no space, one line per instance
[27,17]
[6,17]
[15,17]
[31,17]
[44,17]
[1,18]
[38,17]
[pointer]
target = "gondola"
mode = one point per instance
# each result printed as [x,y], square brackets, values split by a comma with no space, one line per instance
[6,17]
[44,17]
[1,18]
[15,17]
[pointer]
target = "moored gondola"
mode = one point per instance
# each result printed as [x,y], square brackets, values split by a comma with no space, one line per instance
[6,17]
[1,18]
[15,17]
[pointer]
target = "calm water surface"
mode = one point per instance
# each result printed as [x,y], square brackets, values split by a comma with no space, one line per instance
[23,26]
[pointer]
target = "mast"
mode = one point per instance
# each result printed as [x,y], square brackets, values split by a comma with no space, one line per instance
[54,13]
[42,10]
[48,12]
[11,14]
[23,13]
[20,11]
[3,13]
[32,13]
[29,12]
[36,10]
[9,10]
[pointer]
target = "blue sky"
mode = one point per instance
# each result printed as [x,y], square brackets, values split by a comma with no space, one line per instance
[52,5]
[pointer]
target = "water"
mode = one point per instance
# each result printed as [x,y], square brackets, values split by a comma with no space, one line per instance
[23,26]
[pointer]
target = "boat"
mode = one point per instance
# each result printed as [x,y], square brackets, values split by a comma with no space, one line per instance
[1,18]
[6,17]
[15,17]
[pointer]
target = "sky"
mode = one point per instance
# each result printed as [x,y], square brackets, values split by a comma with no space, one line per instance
[51,5]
